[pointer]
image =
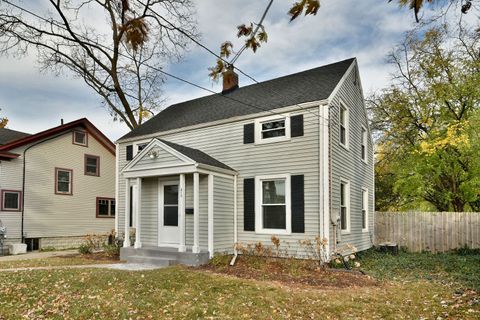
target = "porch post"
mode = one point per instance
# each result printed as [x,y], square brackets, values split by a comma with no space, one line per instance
[196,213]
[210,215]
[126,238]
[181,213]
[138,243]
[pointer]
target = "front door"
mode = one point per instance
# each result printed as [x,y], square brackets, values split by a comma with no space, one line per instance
[168,231]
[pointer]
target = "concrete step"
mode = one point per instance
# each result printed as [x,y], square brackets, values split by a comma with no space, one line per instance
[157,261]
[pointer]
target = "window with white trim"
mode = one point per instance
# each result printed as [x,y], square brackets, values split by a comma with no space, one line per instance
[343,125]
[364,144]
[80,138]
[11,200]
[273,213]
[345,206]
[63,181]
[364,209]
[141,146]
[272,129]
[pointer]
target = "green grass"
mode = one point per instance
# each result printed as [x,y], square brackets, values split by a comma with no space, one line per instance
[461,267]
[181,293]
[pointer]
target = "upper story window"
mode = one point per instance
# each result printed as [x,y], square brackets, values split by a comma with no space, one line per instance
[364,144]
[92,165]
[141,146]
[11,200]
[63,181]
[80,138]
[344,206]
[105,207]
[343,125]
[364,209]
[272,129]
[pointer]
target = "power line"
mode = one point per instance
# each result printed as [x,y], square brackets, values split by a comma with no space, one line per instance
[164,72]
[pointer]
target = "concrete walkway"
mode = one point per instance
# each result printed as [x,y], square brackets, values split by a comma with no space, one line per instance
[114,266]
[38,255]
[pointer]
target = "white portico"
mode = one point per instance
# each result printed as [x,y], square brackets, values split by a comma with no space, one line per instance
[172,203]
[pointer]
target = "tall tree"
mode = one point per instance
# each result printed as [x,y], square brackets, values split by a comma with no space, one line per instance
[116,46]
[426,121]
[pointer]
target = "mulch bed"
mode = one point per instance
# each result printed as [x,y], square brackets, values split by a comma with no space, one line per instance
[291,272]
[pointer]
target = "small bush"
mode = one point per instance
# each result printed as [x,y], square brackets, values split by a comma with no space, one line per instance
[112,250]
[85,249]
[47,249]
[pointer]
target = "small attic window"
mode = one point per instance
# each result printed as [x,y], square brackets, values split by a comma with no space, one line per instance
[80,138]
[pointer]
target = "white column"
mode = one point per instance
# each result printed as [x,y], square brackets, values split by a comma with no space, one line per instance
[126,238]
[196,213]
[138,243]
[210,215]
[181,213]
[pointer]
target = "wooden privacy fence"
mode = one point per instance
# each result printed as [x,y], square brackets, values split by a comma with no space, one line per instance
[428,231]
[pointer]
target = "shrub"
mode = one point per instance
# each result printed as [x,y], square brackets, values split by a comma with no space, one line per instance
[84,249]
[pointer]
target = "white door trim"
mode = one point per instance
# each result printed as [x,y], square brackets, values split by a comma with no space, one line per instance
[160,225]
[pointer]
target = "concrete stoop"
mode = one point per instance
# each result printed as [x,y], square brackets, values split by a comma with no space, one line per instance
[163,256]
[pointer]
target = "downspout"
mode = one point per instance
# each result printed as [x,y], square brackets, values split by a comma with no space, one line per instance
[235,216]
[24,178]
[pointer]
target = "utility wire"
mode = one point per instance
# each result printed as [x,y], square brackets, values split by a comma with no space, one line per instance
[164,72]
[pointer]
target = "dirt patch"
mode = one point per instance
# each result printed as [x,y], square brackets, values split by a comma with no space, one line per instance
[97,256]
[289,271]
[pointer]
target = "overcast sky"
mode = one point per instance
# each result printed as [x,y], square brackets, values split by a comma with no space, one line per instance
[366,29]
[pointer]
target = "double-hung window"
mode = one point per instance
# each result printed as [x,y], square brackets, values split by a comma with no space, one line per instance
[364,144]
[92,165]
[63,181]
[343,125]
[11,200]
[364,209]
[80,138]
[273,204]
[105,207]
[344,206]
[272,129]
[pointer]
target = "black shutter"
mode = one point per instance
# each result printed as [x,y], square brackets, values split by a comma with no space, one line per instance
[129,152]
[249,133]
[298,204]
[249,204]
[296,123]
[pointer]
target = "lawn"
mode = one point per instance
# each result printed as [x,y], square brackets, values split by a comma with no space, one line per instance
[68,260]
[187,293]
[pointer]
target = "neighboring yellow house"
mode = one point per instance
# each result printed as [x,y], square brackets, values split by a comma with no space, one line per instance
[56,186]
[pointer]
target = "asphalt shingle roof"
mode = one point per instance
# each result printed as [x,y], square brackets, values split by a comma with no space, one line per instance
[197,155]
[7,135]
[307,86]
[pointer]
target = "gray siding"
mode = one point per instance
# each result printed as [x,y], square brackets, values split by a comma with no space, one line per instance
[223,214]
[347,164]
[163,157]
[225,143]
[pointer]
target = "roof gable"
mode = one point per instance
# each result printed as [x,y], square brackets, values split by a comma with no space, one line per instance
[159,154]
[307,86]
[87,125]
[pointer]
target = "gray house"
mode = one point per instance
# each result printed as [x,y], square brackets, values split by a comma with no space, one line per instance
[290,157]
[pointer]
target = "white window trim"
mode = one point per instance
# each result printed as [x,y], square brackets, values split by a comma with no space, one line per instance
[258,129]
[258,205]
[85,144]
[138,143]
[364,142]
[365,203]
[347,125]
[347,199]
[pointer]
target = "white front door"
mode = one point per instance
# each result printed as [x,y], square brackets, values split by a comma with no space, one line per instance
[168,230]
